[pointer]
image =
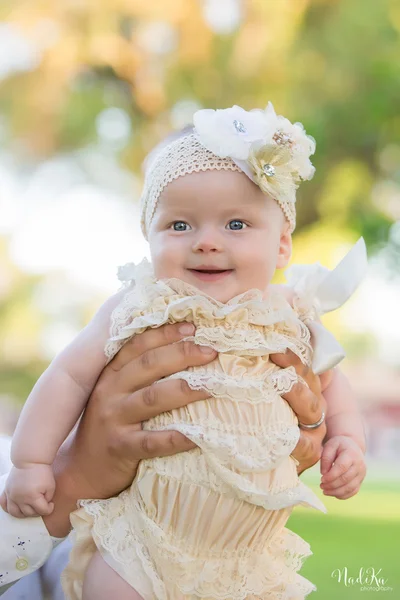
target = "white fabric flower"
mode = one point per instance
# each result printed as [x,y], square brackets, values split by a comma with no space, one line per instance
[231,131]
[280,183]
[143,271]
[273,122]
[302,146]
[234,132]
[126,272]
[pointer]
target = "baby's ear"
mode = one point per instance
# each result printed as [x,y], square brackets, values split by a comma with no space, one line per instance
[285,247]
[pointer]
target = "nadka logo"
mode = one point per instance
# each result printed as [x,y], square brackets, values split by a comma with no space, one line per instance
[369,579]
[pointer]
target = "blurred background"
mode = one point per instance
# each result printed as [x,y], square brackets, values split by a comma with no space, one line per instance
[88,88]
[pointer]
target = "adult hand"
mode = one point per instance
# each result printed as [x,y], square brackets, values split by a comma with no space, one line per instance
[101,456]
[307,402]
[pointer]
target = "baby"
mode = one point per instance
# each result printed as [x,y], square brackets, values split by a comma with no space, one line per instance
[218,210]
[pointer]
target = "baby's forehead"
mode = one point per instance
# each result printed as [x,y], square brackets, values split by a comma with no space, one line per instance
[213,185]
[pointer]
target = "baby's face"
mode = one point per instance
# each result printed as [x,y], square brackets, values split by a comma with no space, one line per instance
[217,231]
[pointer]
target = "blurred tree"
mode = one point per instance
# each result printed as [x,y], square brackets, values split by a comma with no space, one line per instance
[20,326]
[25,323]
[331,64]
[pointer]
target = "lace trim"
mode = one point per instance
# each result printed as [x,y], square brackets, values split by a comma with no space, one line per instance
[221,385]
[200,309]
[272,437]
[252,465]
[227,337]
[151,303]
[240,452]
[183,156]
[250,342]
[216,477]
[165,421]
[159,558]
[120,316]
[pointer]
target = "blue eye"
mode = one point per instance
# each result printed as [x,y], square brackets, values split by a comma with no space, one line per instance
[237,222]
[177,225]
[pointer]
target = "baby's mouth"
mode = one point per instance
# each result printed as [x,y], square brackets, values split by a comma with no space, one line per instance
[211,274]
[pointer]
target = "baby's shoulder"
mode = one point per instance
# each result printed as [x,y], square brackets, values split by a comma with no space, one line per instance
[84,357]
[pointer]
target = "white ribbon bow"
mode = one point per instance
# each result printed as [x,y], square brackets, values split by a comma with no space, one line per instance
[326,290]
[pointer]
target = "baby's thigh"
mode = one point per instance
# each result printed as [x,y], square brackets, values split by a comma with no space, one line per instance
[102,583]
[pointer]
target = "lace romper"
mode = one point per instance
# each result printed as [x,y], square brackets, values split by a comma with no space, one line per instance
[210,523]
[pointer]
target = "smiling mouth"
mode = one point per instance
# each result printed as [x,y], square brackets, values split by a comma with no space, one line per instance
[210,270]
[210,275]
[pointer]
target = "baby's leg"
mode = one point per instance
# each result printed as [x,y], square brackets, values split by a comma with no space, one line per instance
[103,583]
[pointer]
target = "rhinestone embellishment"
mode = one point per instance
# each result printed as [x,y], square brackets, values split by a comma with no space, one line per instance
[240,128]
[282,139]
[21,564]
[268,170]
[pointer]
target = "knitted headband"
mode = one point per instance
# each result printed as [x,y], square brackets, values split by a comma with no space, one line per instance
[269,149]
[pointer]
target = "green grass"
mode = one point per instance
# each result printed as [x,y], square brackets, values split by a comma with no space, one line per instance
[361,532]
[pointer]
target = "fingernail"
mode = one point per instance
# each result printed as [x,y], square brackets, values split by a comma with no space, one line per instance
[206,350]
[186,328]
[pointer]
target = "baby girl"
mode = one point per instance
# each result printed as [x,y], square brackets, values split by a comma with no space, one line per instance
[218,209]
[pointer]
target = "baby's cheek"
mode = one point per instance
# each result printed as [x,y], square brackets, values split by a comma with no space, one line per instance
[164,265]
[169,258]
[257,276]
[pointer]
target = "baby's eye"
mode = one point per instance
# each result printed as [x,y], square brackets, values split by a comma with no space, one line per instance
[238,224]
[179,225]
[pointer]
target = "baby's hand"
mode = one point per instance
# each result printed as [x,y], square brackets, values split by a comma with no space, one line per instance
[342,479]
[29,491]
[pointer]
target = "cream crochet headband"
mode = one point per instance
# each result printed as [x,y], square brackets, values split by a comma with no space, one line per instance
[269,149]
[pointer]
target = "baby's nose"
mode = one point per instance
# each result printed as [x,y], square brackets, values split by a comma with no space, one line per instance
[208,242]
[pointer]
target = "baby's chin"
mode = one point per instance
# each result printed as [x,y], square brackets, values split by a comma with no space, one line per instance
[225,293]
[221,296]
[221,291]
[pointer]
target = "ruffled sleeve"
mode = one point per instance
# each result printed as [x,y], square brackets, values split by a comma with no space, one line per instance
[319,290]
[131,274]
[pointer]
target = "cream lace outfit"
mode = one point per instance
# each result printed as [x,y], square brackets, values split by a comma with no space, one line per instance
[210,523]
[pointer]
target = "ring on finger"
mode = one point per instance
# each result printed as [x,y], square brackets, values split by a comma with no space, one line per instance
[313,425]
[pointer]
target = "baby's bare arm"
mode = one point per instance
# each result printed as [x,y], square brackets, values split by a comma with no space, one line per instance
[51,411]
[343,465]
[61,393]
[343,416]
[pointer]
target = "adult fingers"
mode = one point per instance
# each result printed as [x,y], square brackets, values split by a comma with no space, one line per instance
[304,447]
[309,447]
[149,340]
[157,363]
[317,383]
[307,405]
[158,398]
[326,379]
[290,359]
[149,444]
